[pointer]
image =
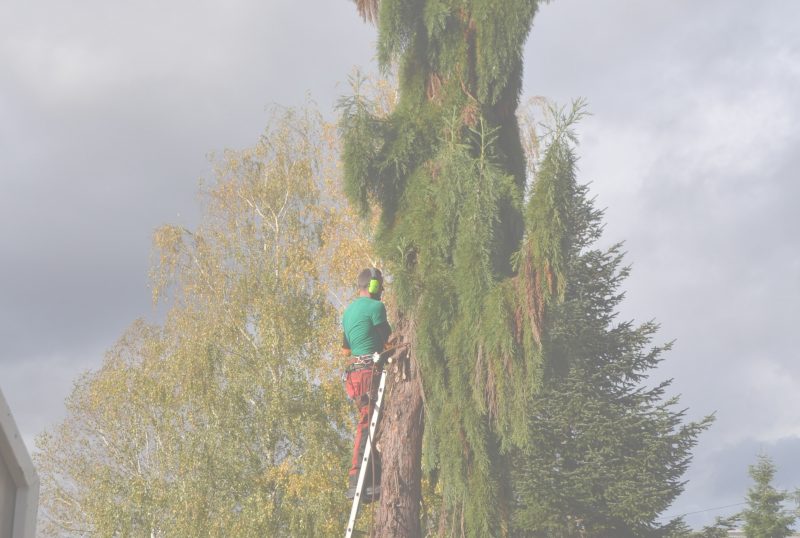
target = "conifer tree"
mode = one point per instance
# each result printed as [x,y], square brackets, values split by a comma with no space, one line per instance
[505,305]
[446,172]
[719,529]
[606,452]
[765,516]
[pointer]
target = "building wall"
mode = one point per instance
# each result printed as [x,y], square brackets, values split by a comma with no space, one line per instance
[19,485]
[8,492]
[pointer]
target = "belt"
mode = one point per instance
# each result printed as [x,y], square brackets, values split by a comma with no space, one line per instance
[360,362]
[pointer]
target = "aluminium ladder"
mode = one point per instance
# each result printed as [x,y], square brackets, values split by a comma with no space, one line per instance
[362,473]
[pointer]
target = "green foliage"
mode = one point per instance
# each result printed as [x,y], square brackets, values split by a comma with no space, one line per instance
[483,265]
[719,529]
[379,152]
[765,516]
[501,30]
[550,230]
[229,419]
[606,452]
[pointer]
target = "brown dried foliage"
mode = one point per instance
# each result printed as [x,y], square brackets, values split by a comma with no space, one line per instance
[434,87]
[470,114]
[530,281]
[368,9]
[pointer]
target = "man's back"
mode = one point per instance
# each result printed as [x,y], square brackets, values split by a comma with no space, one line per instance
[365,326]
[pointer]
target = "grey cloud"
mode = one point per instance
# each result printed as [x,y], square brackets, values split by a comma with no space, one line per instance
[107,112]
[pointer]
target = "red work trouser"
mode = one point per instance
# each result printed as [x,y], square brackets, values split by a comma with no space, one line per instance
[362,388]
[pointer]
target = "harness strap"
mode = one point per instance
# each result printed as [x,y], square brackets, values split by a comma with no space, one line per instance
[359,363]
[357,366]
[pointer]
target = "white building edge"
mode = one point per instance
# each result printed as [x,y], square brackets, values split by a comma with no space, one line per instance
[19,483]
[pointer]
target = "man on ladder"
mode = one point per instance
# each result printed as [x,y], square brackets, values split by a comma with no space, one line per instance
[365,332]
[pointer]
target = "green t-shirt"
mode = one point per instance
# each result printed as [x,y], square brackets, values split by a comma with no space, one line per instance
[365,326]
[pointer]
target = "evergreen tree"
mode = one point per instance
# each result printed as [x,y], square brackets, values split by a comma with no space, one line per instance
[446,171]
[719,529]
[606,452]
[765,516]
[482,252]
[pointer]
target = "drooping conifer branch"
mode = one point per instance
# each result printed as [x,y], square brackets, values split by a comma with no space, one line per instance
[368,9]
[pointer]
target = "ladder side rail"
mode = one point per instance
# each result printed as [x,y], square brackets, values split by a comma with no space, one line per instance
[362,473]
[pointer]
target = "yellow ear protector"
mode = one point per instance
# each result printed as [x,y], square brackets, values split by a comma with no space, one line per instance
[374,283]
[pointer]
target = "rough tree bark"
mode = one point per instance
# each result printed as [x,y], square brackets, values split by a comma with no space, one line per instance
[400,444]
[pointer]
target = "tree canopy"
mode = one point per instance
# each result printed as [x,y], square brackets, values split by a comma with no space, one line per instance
[446,172]
[485,250]
[606,452]
[765,515]
[228,419]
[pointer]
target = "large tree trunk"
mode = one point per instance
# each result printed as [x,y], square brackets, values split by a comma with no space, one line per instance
[400,445]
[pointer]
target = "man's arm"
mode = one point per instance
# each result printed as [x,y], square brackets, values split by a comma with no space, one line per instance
[381,326]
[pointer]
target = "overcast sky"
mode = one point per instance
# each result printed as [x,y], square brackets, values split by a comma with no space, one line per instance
[109,110]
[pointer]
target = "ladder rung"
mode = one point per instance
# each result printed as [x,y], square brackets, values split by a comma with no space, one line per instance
[362,472]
